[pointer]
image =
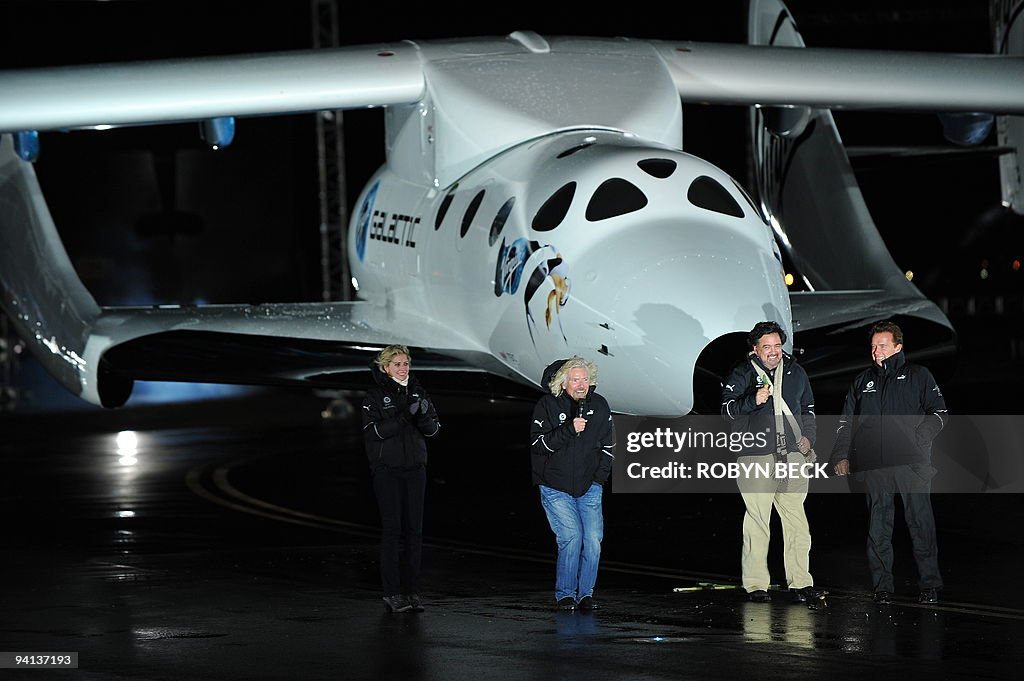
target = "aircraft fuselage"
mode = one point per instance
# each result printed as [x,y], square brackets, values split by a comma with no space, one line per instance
[589,242]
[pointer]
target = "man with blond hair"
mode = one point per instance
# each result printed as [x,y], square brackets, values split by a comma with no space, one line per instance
[573,437]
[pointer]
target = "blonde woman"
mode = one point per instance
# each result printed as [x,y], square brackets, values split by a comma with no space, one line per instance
[397,417]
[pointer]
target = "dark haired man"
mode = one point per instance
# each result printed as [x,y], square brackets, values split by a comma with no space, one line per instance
[768,392]
[893,411]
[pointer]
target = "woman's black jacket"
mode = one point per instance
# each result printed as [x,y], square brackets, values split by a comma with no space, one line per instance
[394,437]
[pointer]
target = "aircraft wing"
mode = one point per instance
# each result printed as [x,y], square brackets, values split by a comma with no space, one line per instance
[318,344]
[828,78]
[863,154]
[829,323]
[381,75]
[95,352]
[194,89]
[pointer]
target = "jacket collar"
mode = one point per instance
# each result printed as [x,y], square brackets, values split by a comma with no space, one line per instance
[891,365]
[388,384]
[786,361]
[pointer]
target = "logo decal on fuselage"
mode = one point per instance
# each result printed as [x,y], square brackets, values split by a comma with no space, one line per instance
[508,274]
[363,221]
[393,228]
[511,260]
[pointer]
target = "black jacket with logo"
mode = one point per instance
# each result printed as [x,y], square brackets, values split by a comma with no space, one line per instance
[740,407]
[394,438]
[891,415]
[562,458]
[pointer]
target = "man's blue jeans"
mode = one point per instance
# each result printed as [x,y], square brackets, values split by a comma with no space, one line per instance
[578,525]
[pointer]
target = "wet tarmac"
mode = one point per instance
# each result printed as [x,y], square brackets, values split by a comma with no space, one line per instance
[237,540]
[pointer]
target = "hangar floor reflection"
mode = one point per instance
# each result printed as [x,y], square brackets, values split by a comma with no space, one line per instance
[238,541]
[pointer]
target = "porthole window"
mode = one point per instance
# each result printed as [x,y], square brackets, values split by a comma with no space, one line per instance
[471,210]
[707,193]
[554,209]
[613,198]
[499,221]
[658,167]
[446,203]
[572,150]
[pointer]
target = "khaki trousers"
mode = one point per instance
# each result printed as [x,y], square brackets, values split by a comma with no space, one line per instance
[787,496]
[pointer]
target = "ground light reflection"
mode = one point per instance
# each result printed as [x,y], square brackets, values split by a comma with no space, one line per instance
[127,447]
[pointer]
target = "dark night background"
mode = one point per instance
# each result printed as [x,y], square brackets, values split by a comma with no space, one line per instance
[239,540]
[152,215]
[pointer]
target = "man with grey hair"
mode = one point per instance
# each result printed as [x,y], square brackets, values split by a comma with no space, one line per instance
[573,437]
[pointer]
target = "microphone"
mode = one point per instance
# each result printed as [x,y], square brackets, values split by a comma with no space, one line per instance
[579,414]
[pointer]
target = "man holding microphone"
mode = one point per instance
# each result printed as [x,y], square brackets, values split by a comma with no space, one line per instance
[769,392]
[572,439]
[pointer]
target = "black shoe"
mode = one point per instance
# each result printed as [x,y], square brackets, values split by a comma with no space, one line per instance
[587,604]
[397,603]
[929,595]
[415,604]
[883,597]
[810,596]
[759,596]
[566,603]
[804,594]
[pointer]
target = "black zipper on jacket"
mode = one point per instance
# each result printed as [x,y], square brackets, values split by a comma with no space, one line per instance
[572,449]
[884,385]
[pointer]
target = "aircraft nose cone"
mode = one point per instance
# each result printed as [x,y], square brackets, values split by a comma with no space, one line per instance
[668,306]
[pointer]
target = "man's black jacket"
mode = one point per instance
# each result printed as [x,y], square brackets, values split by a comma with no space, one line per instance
[742,410]
[891,415]
[562,458]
